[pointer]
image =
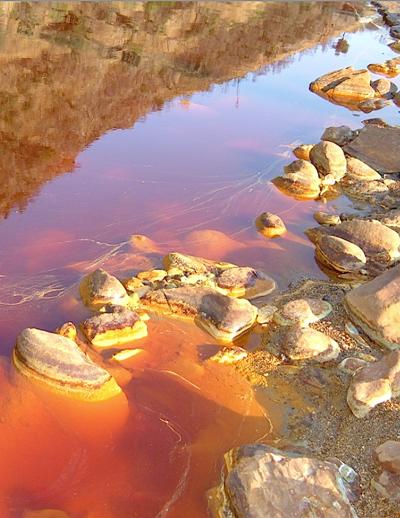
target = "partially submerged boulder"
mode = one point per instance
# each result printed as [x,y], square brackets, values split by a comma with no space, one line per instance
[59,363]
[339,135]
[303,151]
[378,147]
[114,329]
[360,172]
[245,282]
[375,307]
[99,288]
[261,481]
[270,225]
[374,384]
[223,317]
[300,180]
[339,254]
[323,218]
[345,83]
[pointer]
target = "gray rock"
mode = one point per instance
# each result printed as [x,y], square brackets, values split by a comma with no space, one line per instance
[339,135]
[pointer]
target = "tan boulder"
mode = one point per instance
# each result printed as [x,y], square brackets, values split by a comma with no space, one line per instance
[302,311]
[303,151]
[270,225]
[262,481]
[328,158]
[360,172]
[339,254]
[323,218]
[344,83]
[99,288]
[58,362]
[390,68]
[374,384]
[300,180]
[245,282]
[375,307]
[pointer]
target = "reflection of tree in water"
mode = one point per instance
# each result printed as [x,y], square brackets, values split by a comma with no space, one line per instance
[341,46]
[72,71]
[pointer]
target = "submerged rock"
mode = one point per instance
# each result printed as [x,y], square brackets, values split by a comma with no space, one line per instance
[114,329]
[302,312]
[262,481]
[378,147]
[304,343]
[301,180]
[223,317]
[390,68]
[344,83]
[374,384]
[339,254]
[57,361]
[99,288]
[270,225]
[229,355]
[328,158]
[375,308]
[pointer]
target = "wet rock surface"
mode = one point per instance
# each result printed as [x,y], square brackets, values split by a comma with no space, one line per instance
[263,481]
[58,362]
[328,158]
[270,225]
[302,311]
[99,288]
[339,254]
[300,180]
[345,83]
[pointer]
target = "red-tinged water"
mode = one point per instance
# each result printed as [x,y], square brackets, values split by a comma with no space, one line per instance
[169,121]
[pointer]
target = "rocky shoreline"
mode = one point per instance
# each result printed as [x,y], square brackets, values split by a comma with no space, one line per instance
[336,342]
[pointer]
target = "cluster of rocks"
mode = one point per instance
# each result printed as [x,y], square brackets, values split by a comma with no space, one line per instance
[356,90]
[364,164]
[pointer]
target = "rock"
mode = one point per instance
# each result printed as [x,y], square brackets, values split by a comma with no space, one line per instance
[245,282]
[329,158]
[339,254]
[301,180]
[57,362]
[371,105]
[262,481]
[152,275]
[384,88]
[223,317]
[68,330]
[395,31]
[372,191]
[388,455]
[339,135]
[375,307]
[229,355]
[375,121]
[352,365]
[392,19]
[388,485]
[344,83]
[390,68]
[374,384]
[323,218]
[395,45]
[114,329]
[396,99]
[302,311]
[304,343]
[270,225]
[265,314]
[303,152]
[360,172]
[376,240]
[99,288]
[189,264]
[378,147]
[390,218]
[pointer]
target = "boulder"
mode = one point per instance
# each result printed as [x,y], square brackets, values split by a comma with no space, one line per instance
[351,365]
[323,218]
[390,218]
[375,307]
[373,191]
[390,68]
[302,311]
[339,254]
[59,363]
[328,158]
[388,455]
[371,105]
[345,83]
[378,147]
[304,343]
[358,171]
[223,317]
[114,329]
[374,384]
[301,180]
[99,288]
[190,264]
[395,31]
[152,276]
[303,152]
[270,225]
[265,314]
[245,282]
[262,481]
[339,135]
[384,88]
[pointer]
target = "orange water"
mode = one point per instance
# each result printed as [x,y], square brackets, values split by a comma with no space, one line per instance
[172,119]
